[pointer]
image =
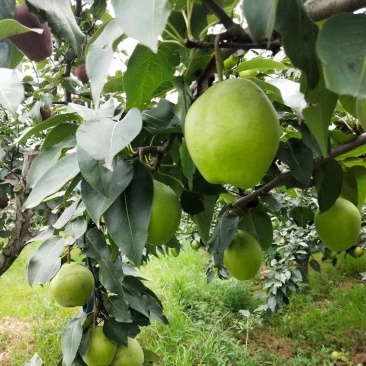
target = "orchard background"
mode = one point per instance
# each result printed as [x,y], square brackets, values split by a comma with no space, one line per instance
[86,130]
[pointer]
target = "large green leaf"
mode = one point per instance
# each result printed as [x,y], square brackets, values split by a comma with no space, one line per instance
[62,21]
[128,218]
[146,71]
[51,181]
[298,34]
[11,90]
[71,338]
[45,262]
[58,134]
[342,49]
[148,20]
[260,16]
[103,138]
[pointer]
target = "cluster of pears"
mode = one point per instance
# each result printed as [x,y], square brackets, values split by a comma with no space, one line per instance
[103,352]
[232,134]
[37,47]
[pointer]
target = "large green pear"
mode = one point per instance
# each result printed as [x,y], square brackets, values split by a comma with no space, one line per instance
[132,355]
[232,133]
[339,227]
[243,257]
[101,350]
[165,215]
[72,285]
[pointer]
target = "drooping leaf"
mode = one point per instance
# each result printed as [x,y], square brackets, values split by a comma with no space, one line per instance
[5,53]
[104,138]
[298,35]
[222,237]
[45,262]
[257,223]
[128,218]
[342,53]
[328,182]
[260,16]
[149,22]
[66,216]
[299,158]
[319,113]
[62,21]
[108,183]
[100,56]
[71,338]
[146,71]
[11,90]
[302,216]
[203,219]
[51,181]
[117,307]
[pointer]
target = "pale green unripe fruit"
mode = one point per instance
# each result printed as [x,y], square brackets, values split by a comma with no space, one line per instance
[243,257]
[232,133]
[339,227]
[101,351]
[132,355]
[165,215]
[72,285]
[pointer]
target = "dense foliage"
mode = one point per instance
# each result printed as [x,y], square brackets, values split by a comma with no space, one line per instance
[86,132]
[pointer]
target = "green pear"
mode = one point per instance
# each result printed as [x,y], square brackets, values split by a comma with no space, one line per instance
[132,355]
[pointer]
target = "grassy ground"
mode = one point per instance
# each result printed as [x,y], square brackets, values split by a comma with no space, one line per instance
[206,325]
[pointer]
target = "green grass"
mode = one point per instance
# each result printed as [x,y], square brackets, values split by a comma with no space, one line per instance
[206,327]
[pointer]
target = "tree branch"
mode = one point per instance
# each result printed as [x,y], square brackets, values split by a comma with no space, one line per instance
[281,178]
[216,9]
[23,221]
[323,9]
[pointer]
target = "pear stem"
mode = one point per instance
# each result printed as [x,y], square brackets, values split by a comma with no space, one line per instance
[218,59]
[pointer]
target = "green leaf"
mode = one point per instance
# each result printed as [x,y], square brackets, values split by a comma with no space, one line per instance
[302,216]
[260,16]
[96,246]
[10,27]
[62,21]
[318,115]
[117,307]
[48,123]
[147,24]
[361,111]
[5,53]
[6,9]
[104,138]
[66,215]
[184,98]
[51,181]
[111,275]
[146,71]
[328,182]
[128,218]
[354,185]
[45,262]
[260,63]
[161,117]
[222,237]
[298,34]
[108,183]
[349,104]
[257,223]
[100,56]
[71,338]
[58,134]
[76,229]
[299,158]
[114,85]
[117,332]
[11,90]
[341,49]
[188,166]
